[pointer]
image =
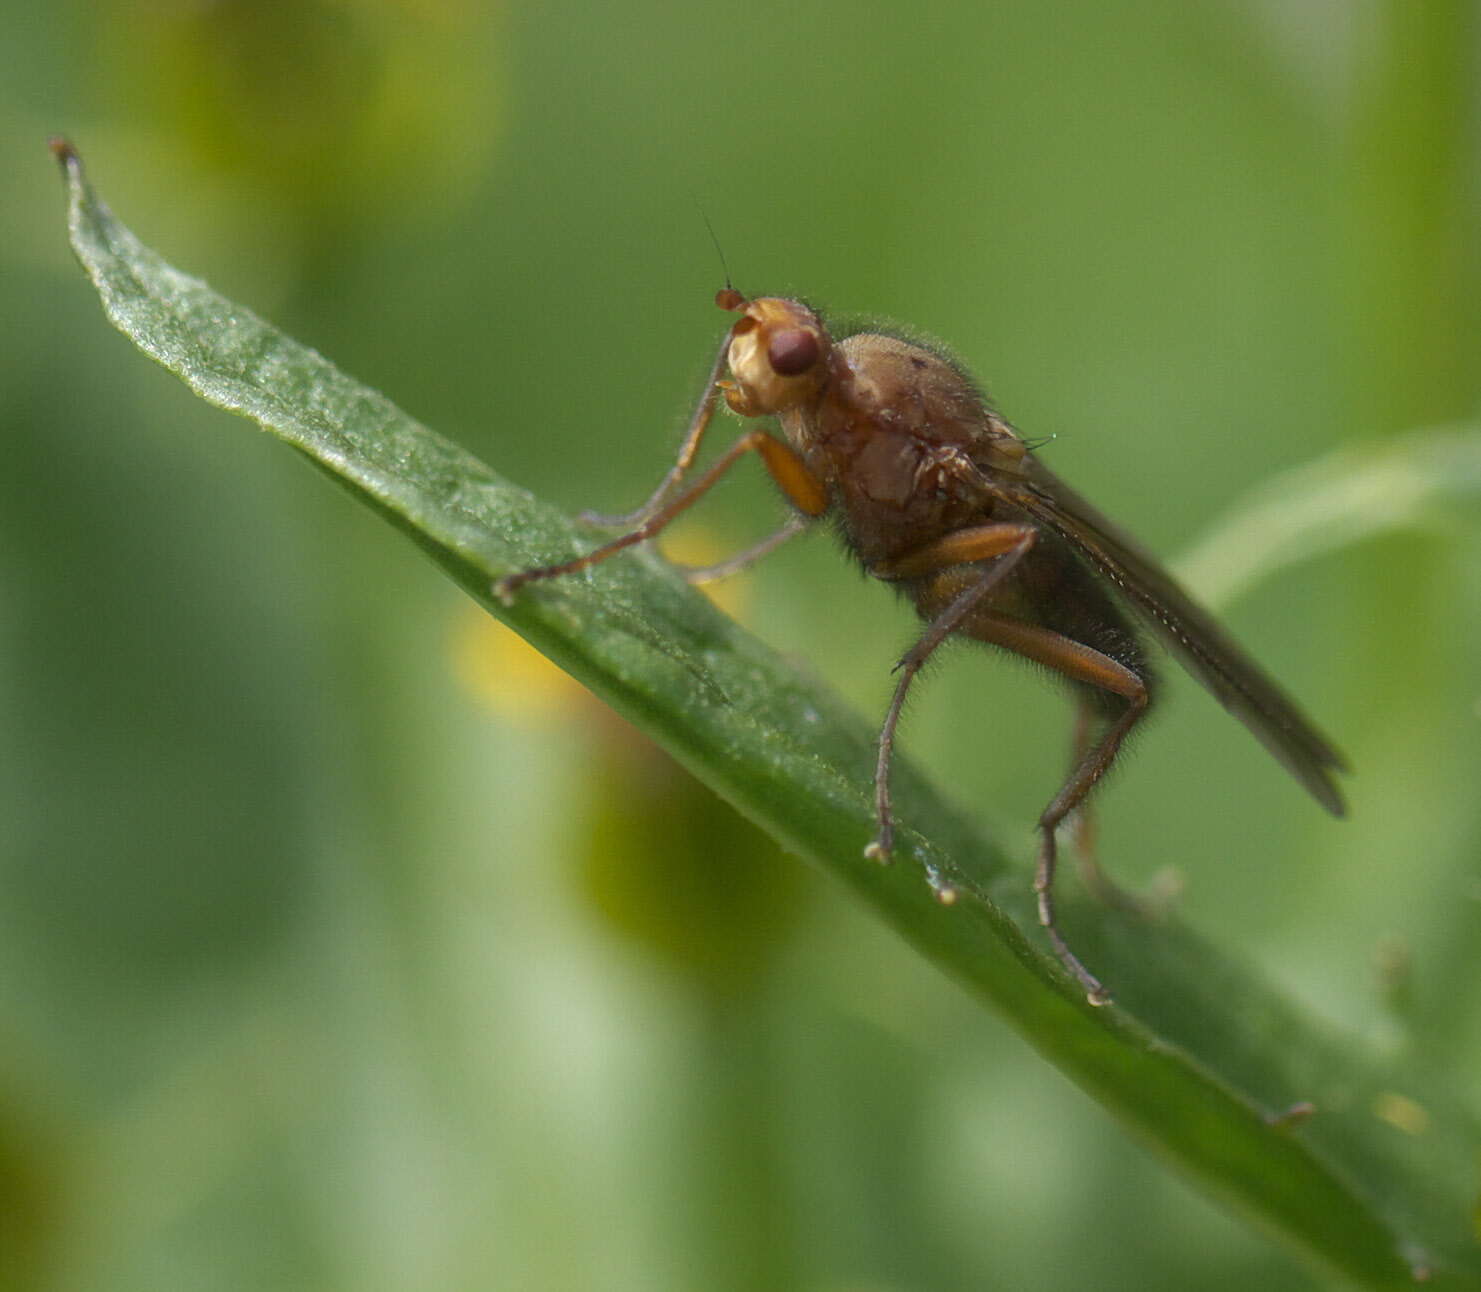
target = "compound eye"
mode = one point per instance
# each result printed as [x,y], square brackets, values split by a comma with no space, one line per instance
[792,351]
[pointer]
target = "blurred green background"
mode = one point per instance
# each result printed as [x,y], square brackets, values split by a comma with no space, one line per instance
[345,946]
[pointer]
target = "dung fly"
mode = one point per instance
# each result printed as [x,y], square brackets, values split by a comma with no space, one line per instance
[936,494]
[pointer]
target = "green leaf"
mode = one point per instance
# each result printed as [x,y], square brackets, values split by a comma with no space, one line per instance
[1198,1056]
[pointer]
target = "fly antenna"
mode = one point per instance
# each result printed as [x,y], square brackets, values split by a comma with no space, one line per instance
[727,298]
[715,240]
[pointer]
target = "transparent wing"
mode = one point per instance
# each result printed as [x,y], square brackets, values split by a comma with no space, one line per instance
[1193,635]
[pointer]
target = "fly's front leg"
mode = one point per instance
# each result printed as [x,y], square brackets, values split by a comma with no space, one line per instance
[1004,546]
[803,489]
[699,422]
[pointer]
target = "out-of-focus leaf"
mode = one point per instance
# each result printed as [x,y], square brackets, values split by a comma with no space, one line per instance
[1359,492]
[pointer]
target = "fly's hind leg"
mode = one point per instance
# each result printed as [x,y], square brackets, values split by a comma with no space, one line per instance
[1082,824]
[1082,664]
[999,548]
[1150,904]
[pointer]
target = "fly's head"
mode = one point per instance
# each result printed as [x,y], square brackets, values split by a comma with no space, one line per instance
[779,354]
